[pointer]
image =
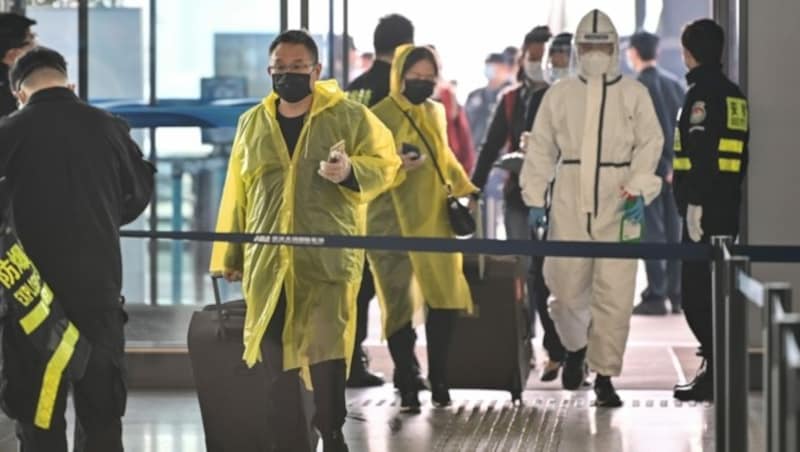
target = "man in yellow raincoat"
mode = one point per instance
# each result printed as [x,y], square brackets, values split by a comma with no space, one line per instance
[416,207]
[305,161]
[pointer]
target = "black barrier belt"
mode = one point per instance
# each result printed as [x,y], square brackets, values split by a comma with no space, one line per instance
[472,246]
[768,253]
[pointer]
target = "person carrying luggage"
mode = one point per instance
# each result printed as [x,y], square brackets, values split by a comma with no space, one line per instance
[306,160]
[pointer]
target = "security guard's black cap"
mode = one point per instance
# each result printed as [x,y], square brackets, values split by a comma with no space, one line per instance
[13,31]
[646,44]
[38,58]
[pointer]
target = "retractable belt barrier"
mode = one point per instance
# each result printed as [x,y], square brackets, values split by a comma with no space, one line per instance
[487,246]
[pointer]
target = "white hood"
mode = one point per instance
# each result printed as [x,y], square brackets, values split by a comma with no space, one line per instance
[596,28]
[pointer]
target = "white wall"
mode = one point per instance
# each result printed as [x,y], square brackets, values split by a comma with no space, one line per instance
[774,178]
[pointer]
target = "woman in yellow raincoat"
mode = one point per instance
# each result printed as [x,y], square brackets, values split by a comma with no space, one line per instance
[415,207]
[306,295]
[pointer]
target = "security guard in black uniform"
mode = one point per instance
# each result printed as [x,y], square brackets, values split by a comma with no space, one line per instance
[370,88]
[75,176]
[711,159]
[16,38]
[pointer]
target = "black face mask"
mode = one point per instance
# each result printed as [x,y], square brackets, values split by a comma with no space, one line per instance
[418,90]
[292,87]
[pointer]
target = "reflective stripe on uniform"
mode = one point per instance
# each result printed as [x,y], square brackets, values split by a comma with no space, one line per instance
[52,377]
[676,146]
[681,164]
[731,145]
[36,316]
[730,165]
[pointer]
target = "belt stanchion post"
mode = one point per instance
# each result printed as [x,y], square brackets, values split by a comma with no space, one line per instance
[719,271]
[776,294]
[791,391]
[736,374]
[788,323]
[177,225]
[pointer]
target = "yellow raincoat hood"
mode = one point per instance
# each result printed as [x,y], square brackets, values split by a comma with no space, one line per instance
[269,191]
[416,207]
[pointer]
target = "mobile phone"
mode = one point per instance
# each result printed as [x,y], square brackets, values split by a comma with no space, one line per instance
[410,150]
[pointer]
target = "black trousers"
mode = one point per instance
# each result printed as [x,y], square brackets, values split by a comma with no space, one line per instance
[365,294]
[99,398]
[287,413]
[696,295]
[439,332]
[538,298]
[663,225]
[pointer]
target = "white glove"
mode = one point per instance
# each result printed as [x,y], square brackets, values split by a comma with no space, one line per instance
[523,141]
[410,164]
[694,219]
[337,168]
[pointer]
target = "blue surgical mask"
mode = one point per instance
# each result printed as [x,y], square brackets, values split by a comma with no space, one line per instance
[489,72]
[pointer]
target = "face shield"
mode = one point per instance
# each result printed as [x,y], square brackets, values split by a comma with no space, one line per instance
[558,63]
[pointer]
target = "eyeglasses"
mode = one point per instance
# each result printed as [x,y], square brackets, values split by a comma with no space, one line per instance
[294,68]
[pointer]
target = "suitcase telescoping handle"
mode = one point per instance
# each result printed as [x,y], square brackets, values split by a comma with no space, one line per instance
[220,310]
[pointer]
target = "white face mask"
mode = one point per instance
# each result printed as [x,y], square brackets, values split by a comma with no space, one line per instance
[533,70]
[595,63]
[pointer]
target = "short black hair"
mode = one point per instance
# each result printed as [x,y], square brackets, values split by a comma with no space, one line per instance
[419,54]
[540,34]
[392,31]
[13,31]
[37,58]
[705,40]
[297,37]
[646,45]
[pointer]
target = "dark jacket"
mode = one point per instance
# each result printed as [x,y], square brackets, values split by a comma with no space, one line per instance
[479,107]
[668,95]
[75,176]
[372,86]
[711,150]
[508,122]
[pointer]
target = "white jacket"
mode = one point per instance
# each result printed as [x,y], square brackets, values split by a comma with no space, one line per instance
[600,138]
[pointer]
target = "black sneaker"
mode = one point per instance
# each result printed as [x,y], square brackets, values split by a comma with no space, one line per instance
[573,374]
[334,442]
[701,389]
[677,308]
[409,402]
[440,395]
[550,371]
[606,394]
[361,377]
[651,308]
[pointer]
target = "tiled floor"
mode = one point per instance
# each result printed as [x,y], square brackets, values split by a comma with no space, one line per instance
[660,353]
[547,421]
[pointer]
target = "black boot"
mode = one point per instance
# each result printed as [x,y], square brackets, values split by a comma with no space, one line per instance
[606,394]
[334,442]
[701,389]
[573,374]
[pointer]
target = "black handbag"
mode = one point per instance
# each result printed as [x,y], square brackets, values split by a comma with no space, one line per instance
[461,220]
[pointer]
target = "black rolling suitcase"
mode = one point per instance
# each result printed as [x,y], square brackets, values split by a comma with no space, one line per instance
[233,398]
[491,349]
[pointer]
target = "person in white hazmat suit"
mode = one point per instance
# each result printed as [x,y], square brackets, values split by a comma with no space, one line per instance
[599,132]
